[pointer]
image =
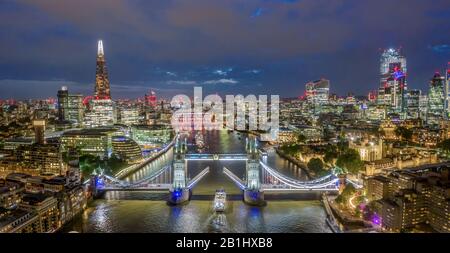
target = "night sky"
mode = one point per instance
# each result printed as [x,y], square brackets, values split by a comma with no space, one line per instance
[228,46]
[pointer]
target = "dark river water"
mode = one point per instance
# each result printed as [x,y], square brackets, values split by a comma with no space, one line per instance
[123,212]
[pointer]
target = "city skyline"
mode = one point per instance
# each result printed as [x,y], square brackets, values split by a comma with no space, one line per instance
[255,116]
[209,51]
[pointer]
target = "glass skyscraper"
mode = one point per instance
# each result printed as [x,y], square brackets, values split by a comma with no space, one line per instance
[436,100]
[393,86]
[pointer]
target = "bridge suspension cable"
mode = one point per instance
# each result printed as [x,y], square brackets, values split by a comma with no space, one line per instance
[314,184]
[149,178]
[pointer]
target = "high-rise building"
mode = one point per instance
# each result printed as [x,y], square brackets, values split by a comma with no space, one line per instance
[102,113]
[447,92]
[102,89]
[43,158]
[150,99]
[63,99]
[129,115]
[436,100]
[423,106]
[393,85]
[70,106]
[413,104]
[39,130]
[317,92]
[75,109]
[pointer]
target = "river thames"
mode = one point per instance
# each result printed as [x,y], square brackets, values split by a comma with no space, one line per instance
[141,212]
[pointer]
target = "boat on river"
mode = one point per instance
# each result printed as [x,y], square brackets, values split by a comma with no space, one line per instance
[220,200]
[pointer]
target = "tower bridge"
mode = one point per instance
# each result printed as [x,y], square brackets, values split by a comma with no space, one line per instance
[259,177]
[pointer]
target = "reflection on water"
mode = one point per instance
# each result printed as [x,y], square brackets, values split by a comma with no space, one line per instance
[156,216]
[148,212]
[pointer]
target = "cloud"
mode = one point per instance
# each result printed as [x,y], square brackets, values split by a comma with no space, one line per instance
[223,72]
[221,81]
[181,82]
[442,48]
[220,72]
[171,73]
[258,12]
[253,71]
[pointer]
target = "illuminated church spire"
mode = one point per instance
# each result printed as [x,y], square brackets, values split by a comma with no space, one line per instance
[102,90]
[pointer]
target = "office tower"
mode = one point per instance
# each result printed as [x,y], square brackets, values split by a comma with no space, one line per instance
[447,92]
[129,115]
[39,130]
[372,96]
[70,106]
[436,100]
[393,86]
[75,108]
[150,99]
[102,89]
[413,104]
[423,106]
[63,99]
[318,91]
[102,113]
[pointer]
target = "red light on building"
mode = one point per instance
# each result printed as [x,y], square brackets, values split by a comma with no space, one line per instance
[372,96]
[151,99]
[87,99]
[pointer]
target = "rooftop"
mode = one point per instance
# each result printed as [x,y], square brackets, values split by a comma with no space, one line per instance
[34,198]
[8,216]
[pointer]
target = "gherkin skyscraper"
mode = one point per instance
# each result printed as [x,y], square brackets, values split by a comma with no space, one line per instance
[102,90]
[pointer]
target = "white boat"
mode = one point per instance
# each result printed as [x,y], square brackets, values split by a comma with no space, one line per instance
[220,200]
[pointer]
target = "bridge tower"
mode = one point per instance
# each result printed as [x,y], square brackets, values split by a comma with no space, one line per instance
[95,186]
[178,192]
[253,195]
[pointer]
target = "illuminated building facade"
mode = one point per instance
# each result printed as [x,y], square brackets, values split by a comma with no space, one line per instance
[63,100]
[413,104]
[317,92]
[45,158]
[447,91]
[102,89]
[150,137]
[150,99]
[39,131]
[102,113]
[393,85]
[129,116]
[368,151]
[436,100]
[70,106]
[410,198]
[127,149]
[95,141]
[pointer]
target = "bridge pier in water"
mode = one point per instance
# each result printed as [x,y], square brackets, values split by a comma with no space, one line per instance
[95,187]
[253,195]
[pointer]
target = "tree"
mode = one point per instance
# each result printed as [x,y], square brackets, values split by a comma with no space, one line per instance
[315,165]
[445,146]
[291,150]
[403,133]
[301,138]
[350,161]
[331,153]
[345,195]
